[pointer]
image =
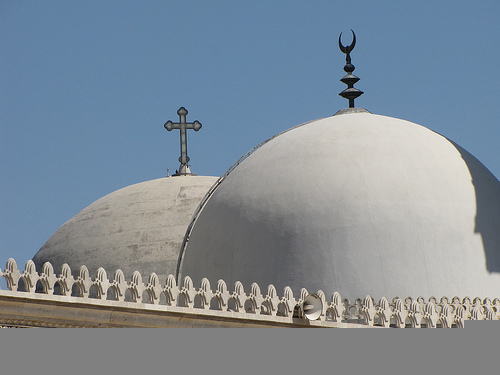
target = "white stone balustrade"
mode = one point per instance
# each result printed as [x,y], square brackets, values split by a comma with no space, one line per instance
[399,313]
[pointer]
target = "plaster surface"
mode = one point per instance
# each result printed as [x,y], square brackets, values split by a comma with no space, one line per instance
[359,204]
[137,228]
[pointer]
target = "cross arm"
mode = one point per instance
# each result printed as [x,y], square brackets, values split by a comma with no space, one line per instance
[169,125]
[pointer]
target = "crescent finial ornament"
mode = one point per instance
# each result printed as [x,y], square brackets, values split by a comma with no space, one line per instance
[350,79]
[349,48]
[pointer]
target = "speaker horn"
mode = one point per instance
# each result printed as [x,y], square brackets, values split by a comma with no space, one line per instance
[312,307]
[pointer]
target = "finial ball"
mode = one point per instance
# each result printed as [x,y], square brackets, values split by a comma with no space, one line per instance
[169,125]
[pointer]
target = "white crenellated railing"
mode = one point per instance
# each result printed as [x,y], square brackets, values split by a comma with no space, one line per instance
[396,313]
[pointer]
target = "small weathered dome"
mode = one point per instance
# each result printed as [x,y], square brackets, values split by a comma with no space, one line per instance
[139,227]
[357,203]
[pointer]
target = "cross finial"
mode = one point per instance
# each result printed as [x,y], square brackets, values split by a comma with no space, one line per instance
[182,125]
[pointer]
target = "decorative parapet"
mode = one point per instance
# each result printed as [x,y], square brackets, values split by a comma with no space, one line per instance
[398,313]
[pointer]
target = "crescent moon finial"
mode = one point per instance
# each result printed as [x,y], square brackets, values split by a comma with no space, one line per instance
[349,48]
[351,92]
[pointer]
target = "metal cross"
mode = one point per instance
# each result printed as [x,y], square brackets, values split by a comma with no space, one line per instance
[183,126]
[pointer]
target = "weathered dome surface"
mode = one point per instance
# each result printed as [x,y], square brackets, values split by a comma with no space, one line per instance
[357,203]
[139,227]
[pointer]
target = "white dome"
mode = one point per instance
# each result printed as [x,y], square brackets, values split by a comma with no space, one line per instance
[139,227]
[357,203]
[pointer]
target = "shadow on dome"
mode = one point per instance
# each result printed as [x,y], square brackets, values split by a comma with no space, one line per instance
[487,189]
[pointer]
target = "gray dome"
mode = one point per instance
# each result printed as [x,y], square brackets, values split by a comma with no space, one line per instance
[139,227]
[357,203]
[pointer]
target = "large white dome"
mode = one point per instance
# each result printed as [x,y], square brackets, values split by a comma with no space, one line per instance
[137,228]
[357,203]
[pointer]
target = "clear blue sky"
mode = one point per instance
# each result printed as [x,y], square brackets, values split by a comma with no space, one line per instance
[86,86]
